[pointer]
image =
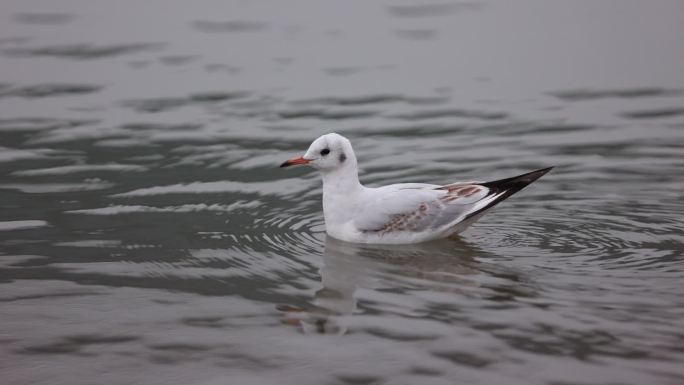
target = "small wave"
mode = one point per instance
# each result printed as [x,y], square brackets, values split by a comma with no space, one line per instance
[409,130]
[19,261]
[175,60]
[153,105]
[584,239]
[21,225]
[432,10]
[325,114]
[453,113]
[373,99]
[291,186]
[43,18]
[39,124]
[416,34]
[13,154]
[343,71]
[83,51]
[623,93]
[47,90]
[88,243]
[231,26]
[130,209]
[63,170]
[14,40]
[43,188]
[654,113]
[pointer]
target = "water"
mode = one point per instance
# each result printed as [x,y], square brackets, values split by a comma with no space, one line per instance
[147,235]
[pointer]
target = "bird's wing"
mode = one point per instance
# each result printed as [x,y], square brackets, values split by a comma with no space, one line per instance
[418,208]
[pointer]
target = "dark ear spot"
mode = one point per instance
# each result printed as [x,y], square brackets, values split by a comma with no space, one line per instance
[343,157]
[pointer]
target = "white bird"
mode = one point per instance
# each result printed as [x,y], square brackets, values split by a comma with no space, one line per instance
[399,213]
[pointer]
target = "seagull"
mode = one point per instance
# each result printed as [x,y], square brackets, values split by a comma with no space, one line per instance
[399,213]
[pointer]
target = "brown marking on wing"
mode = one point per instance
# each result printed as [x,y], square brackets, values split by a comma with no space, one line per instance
[455,191]
[409,221]
[404,222]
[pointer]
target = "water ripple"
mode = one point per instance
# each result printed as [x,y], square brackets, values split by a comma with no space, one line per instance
[654,113]
[47,90]
[232,26]
[624,93]
[432,10]
[82,51]
[43,18]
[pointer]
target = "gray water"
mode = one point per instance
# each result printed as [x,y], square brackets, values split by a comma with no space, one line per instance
[147,235]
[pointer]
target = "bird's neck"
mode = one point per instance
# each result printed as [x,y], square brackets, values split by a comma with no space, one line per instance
[341,188]
[341,181]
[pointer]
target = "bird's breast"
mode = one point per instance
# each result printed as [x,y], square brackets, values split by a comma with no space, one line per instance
[338,210]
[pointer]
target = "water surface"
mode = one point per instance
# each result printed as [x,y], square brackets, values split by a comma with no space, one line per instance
[147,235]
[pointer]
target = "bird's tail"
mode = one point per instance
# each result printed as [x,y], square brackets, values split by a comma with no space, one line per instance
[503,188]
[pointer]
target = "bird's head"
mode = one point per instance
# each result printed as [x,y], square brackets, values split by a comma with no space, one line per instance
[327,153]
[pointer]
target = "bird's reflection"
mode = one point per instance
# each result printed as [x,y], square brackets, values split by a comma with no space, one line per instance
[443,266]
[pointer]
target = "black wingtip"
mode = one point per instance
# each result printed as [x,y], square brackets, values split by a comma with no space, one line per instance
[517,182]
[509,186]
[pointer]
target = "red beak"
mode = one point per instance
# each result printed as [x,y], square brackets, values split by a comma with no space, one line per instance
[294,161]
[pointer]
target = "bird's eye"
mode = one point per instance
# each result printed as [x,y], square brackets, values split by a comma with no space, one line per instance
[325,151]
